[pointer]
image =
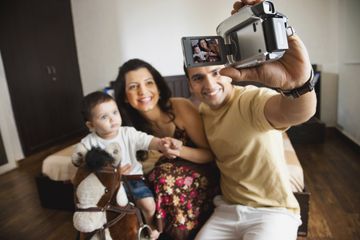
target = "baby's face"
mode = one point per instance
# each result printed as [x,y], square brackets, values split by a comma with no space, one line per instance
[197,49]
[105,120]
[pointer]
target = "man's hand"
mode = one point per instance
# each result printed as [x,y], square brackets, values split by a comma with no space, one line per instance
[289,72]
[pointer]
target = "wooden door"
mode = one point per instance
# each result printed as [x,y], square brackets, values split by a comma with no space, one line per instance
[40,61]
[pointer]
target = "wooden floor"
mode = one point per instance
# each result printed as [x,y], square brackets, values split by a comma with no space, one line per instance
[21,216]
[332,175]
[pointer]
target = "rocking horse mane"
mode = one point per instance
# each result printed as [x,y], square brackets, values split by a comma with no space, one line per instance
[96,158]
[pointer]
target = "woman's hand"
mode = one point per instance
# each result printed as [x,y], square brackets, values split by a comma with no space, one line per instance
[170,147]
[289,72]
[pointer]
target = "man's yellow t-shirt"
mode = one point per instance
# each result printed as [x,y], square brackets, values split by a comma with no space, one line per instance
[249,151]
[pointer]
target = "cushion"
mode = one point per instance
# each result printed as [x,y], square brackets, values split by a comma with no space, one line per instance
[58,166]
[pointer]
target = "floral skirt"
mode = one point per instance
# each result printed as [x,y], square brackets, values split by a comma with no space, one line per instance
[183,196]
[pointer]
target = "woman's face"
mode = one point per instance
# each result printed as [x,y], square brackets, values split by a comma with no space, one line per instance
[141,90]
[203,44]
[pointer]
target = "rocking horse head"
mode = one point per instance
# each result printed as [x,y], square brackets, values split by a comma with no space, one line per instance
[96,158]
[103,210]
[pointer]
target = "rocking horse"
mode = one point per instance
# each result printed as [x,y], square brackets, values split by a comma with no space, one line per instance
[103,210]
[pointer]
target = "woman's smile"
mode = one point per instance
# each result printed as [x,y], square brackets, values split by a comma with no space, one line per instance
[145,99]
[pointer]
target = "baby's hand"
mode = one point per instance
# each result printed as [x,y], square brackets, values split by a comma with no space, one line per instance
[126,169]
[170,147]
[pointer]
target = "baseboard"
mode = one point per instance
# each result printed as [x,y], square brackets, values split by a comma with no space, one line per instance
[7,167]
[338,132]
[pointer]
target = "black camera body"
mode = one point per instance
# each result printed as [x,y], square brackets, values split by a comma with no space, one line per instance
[252,36]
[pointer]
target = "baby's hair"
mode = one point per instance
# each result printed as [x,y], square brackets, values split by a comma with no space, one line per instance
[92,100]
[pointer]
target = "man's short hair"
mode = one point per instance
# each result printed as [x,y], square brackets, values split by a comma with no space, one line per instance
[186,72]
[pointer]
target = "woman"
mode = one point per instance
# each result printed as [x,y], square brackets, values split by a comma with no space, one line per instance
[204,45]
[184,186]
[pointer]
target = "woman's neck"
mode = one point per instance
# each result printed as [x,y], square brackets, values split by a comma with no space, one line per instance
[160,122]
[152,115]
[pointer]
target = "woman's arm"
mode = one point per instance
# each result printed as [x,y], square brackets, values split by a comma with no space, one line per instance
[187,117]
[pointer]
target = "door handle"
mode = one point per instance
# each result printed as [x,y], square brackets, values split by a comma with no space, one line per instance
[53,69]
[48,70]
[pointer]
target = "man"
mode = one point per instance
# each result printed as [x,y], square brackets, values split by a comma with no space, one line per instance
[244,126]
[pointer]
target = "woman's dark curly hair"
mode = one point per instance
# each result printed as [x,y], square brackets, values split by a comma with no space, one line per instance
[130,116]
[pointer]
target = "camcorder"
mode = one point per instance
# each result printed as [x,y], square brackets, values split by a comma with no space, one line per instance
[253,35]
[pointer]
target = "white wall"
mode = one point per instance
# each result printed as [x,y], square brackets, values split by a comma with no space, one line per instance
[152,29]
[349,69]
[96,26]
[316,22]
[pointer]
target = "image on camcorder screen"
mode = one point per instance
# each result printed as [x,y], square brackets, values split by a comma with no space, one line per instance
[205,50]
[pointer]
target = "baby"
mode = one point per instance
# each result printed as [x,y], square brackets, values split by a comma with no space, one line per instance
[103,119]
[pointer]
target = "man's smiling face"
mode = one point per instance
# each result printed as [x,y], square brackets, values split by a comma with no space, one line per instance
[209,86]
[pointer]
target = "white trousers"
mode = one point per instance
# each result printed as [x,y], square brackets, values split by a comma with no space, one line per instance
[238,222]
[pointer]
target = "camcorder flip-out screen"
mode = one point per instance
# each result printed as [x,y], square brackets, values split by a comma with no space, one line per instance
[204,50]
[253,35]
